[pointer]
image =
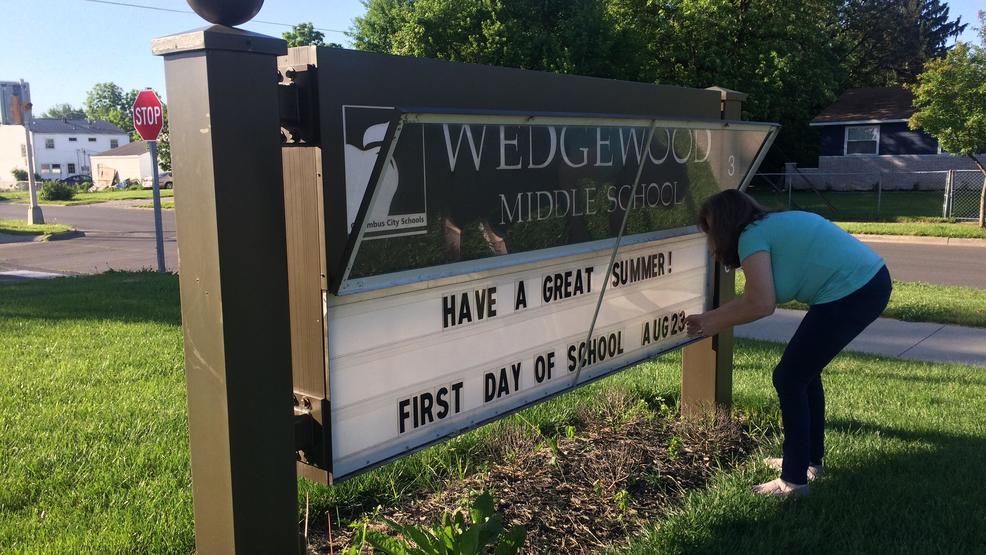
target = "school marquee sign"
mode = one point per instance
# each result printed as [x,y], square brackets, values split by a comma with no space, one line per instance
[468,242]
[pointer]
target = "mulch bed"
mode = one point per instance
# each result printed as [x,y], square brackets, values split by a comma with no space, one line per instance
[588,492]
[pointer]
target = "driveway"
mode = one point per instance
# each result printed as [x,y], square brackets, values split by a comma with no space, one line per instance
[116,238]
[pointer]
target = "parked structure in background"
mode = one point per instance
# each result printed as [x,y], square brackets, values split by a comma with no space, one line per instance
[62,148]
[128,162]
[865,144]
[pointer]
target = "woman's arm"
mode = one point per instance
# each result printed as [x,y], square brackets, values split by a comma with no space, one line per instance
[757,300]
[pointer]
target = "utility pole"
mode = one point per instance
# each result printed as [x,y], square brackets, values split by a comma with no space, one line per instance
[34,215]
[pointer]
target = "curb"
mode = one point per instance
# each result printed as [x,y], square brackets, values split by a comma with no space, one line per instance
[919,240]
[61,236]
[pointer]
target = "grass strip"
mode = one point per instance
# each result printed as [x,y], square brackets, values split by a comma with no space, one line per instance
[164,205]
[18,227]
[922,302]
[93,440]
[918,229]
[21,197]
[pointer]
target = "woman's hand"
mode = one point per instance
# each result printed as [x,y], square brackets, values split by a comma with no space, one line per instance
[697,325]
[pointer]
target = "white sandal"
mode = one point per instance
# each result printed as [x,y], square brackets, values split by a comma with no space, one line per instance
[814,470]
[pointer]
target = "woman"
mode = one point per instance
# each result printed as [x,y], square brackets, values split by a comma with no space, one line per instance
[794,256]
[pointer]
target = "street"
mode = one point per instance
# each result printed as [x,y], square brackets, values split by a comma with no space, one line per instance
[939,264]
[116,238]
[121,238]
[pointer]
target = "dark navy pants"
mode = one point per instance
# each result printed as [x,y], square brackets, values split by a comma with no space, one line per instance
[824,332]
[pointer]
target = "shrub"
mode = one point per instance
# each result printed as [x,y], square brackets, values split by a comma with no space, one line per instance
[132,185]
[19,174]
[53,190]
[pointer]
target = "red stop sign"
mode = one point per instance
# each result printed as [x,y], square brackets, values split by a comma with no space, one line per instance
[148,113]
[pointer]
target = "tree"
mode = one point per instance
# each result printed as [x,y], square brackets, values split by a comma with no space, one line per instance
[64,111]
[783,53]
[304,34]
[950,97]
[108,102]
[888,41]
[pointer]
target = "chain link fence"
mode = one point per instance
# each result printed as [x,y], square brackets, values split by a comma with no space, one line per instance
[856,196]
[962,194]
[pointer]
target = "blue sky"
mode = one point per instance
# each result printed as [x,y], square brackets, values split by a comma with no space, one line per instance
[64,47]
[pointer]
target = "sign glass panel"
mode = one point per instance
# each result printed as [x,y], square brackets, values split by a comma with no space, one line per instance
[440,190]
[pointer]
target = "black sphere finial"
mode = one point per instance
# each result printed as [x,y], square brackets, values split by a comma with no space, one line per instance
[226,12]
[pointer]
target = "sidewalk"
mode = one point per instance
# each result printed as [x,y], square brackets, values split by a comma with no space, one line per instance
[887,337]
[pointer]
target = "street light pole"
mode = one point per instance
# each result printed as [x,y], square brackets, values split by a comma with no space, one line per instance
[34,215]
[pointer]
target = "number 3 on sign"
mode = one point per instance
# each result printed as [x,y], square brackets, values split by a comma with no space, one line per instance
[732,165]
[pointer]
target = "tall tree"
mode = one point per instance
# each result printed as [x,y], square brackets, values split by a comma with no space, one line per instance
[783,53]
[950,97]
[890,40]
[108,102]
[570,36]
[305,34]
[937,29]
[64,111]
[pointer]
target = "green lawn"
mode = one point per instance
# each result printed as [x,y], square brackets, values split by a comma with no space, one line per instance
[915,213]
[93,444]
[905,445]
[858,206]
[21,197]
[923,302]
[18,227]
[920,229]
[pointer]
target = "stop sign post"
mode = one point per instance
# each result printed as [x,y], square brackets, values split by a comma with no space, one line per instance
[148,116]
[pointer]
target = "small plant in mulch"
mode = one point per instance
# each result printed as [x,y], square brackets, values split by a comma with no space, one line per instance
[589,488]
[483,533]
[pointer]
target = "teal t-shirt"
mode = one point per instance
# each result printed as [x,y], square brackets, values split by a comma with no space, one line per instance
[812,260]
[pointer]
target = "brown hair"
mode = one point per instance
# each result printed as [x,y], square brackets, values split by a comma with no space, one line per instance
[723,217]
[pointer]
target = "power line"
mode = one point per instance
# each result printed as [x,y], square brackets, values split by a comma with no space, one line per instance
[172,10]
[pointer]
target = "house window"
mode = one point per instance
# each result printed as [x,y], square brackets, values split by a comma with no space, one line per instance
[71,169]
[114,143]
[23,151]
[55,169]
[49,143]
[92,139]
[863,139]
[72,139]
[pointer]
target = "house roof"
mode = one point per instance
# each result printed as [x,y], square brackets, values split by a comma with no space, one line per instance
[129,149]
[80,126]
[870,104]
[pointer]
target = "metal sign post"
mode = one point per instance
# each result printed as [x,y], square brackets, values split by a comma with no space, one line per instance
[158,229]
[224,129]
[148,116]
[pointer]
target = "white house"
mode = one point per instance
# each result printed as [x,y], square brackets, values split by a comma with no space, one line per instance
[130,161]
[61,147]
